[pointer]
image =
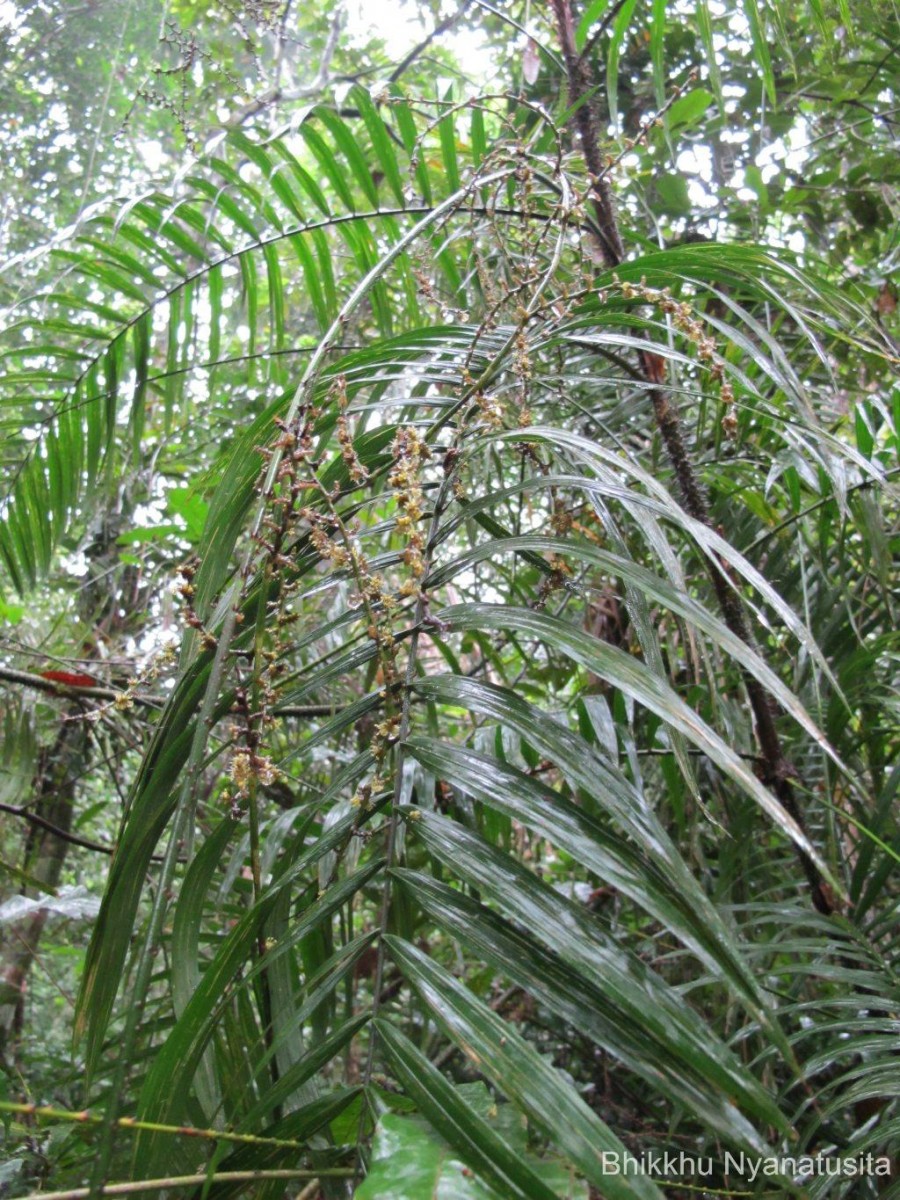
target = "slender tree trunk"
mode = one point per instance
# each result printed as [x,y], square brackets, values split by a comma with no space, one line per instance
[54,789]
[109,601]
[778,772]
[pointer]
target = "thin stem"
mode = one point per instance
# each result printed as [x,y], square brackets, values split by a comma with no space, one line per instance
[183,1181]
[56,688]
[84,1117]
[17,810]
[767,534]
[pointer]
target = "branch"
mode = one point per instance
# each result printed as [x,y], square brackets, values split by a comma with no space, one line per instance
[25,814]
[587,124]
[26,679]
[854,102]
[54,688]
[600,30]
[277,94]
[440,28]
[134,1187]
[84,1117]
[17,810]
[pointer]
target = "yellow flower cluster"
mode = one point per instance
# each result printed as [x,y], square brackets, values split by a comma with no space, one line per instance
[355,469]
[410,453]
[694,330]
[362,797]
[245,767]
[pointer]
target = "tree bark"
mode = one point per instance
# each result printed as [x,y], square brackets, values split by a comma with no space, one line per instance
[54,789]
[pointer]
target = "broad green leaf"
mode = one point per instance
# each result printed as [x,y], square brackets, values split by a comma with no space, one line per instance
[689,108]
[410,1163]
[673,192]
[191,507]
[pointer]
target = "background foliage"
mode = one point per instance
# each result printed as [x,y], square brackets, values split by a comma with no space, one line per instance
[437,771]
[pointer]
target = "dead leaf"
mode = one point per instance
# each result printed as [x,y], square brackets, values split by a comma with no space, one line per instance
[531,61]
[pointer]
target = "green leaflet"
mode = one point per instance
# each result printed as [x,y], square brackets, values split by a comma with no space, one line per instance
[493,1046]
[636,680]
[466,1131]
[623,1004]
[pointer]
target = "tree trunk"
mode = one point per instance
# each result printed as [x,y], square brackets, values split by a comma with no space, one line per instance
[60,765]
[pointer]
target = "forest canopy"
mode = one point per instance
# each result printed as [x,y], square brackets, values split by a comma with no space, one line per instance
[448,599]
